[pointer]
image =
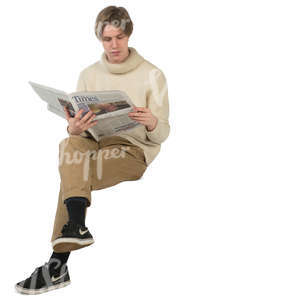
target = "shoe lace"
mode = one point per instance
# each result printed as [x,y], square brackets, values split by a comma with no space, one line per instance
[66,227]
[36,270]
[71,226]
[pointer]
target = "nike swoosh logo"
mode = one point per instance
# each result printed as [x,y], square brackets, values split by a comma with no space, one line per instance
[83,232]
[59,277]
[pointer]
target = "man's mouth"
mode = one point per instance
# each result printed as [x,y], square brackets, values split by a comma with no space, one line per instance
[115,52]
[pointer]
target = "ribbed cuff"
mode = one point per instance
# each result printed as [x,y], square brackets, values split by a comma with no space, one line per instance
[80,199]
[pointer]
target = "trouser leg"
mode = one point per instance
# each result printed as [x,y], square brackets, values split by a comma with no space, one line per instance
[75,155]
[61,217]
[108,163]
[118,160]
[74,169]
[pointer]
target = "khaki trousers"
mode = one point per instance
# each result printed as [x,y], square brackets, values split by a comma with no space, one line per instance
[86,165]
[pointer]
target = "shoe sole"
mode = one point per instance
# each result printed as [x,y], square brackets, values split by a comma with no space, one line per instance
[70,244]
[42,290]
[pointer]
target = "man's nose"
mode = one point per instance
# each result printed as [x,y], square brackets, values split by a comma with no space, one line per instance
[114,43]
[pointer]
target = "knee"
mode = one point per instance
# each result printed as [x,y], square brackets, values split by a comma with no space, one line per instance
[79,143]
[76,148]
[140,172]
[63,143]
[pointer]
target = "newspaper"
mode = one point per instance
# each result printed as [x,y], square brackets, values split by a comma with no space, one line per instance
[110,107]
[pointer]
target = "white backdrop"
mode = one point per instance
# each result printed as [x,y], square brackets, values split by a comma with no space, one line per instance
[216,215]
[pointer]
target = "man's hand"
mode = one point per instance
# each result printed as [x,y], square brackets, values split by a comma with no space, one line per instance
[77,125]
[144,116]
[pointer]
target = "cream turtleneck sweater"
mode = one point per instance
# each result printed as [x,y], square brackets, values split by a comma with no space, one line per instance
[145,84]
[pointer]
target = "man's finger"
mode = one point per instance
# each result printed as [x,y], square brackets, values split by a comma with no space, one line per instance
[91,118]
[87,116]
[88,122]
[78,115]
[91,124]
[68,116]
[139,119]
[137,114]
[142,109]
[142,122]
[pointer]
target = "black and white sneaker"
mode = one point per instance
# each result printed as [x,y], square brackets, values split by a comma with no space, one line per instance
[74,236]
[40,281]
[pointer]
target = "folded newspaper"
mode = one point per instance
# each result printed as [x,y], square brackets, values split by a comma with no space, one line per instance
[110,107]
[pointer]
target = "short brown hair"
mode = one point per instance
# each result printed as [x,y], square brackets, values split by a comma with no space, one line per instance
[116,16]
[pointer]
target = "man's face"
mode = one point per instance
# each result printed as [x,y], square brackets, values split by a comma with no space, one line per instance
[115,44]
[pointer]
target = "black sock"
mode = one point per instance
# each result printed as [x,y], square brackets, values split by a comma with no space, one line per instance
[76,209]
[57,260]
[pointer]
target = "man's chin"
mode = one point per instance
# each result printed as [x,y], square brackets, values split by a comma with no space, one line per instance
[115,60]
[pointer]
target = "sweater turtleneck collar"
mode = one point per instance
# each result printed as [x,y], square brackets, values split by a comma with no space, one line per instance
[132,61]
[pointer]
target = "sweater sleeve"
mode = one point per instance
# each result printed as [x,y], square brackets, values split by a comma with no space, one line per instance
[158,102]
[81,87]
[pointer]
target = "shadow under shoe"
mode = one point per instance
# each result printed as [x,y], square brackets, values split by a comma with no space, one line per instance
[74,236]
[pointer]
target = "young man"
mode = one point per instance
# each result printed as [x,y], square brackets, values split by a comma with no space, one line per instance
[86,165]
